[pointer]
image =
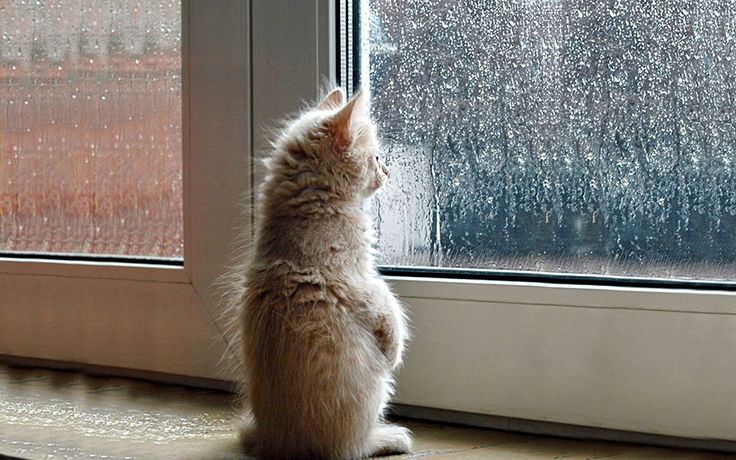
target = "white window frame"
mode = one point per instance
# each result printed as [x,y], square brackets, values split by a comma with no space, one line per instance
[659,361]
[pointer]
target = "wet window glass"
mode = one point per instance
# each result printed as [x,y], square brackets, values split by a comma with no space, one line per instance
[584,136]
[90,127]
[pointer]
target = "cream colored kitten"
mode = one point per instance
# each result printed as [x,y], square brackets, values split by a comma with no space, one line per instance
[321,332]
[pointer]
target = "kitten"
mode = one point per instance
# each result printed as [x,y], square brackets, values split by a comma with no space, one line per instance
[321,332]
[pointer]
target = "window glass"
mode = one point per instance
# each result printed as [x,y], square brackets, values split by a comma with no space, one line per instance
[583,136]
[90,127]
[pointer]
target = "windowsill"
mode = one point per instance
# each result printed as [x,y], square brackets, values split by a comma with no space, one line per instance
[46,413]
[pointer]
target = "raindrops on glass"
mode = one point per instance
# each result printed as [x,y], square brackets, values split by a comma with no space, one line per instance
[585,136]
[90,127]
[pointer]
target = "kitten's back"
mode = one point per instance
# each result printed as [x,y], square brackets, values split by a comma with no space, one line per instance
[316,375]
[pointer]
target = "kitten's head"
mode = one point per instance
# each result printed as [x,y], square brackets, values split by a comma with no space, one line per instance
[334,146]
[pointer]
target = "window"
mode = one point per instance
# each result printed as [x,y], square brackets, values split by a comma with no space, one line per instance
[635,358]
[126,313]
[583,137]
[90,131]
[559,170]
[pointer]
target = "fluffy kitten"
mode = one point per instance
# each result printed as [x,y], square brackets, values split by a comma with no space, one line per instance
[321,333]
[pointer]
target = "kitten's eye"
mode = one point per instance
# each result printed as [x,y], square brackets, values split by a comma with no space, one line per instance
[376,158]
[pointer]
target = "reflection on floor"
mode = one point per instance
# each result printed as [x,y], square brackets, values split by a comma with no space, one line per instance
[50,414]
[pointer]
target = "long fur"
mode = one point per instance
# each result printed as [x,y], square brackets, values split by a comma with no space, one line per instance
[320,332]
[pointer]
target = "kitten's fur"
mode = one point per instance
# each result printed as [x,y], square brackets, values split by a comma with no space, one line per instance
[321,333]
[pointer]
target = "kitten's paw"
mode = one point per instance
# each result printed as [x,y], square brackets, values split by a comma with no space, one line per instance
[389,440]
[388,341]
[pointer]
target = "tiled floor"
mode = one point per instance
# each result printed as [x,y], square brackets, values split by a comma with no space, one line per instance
[45,414]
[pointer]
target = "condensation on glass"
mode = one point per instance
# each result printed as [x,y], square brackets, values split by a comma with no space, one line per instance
[582,136]
[90,127]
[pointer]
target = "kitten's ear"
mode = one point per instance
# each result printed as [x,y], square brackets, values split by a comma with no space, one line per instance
[335,99]
[343,122]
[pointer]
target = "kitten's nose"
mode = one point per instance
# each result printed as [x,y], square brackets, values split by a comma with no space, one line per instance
[386,171]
